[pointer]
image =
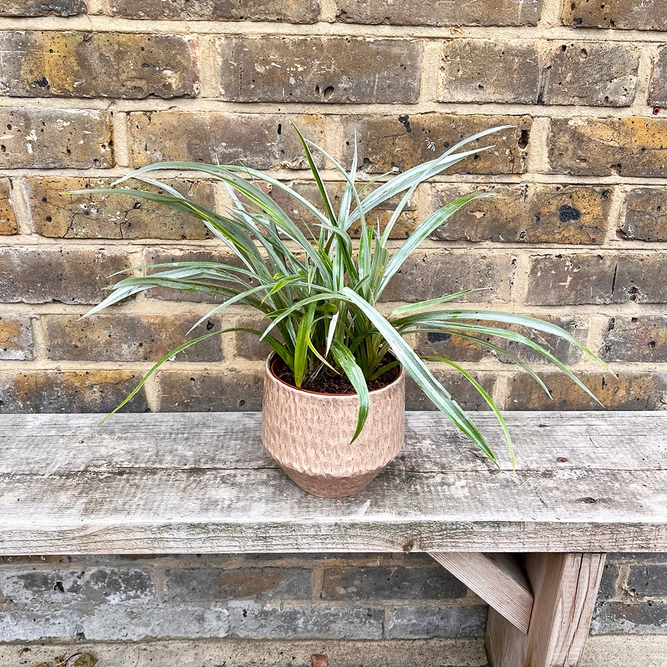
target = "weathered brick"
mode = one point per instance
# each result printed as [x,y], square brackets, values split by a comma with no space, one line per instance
[646,215]
[67,587]
[388,142]
[528,213]
[431,274]
[648,580]
[390,583]
[422,622]
[8,224]
[644,618]
[622,14]
[319,69]
[584,278]
[289,11]
[450,346]
[475,70]
[591,73]
[259,621]
[127,337]
[630,146]
[640,338]
[113,622]
[69,391]
[82,64]
[55,139]
[259,141]
[208,584]
[42,275]
[210,391]
[424,12]
[58,215]
[132,622]
[378,216]
[27,624]
[461,390]
[248,345]
[42,7]
[163,256]
[15,337]
[456,348]
[608,582]
[630,391]
[657,93]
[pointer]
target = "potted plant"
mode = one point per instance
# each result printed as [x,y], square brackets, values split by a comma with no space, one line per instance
[334,392]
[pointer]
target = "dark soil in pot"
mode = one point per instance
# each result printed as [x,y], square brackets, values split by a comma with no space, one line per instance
[328,382]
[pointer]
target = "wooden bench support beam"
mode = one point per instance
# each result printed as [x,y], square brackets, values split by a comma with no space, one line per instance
[497,578]
[565,588]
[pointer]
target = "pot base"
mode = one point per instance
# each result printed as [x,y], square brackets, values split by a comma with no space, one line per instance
[326,486]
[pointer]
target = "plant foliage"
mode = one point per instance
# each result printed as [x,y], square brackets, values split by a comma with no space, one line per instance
[320,289]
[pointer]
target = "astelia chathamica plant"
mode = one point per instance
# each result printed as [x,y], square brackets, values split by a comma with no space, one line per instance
[319,288]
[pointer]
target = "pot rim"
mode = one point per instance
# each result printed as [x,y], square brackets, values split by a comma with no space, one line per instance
[350,397]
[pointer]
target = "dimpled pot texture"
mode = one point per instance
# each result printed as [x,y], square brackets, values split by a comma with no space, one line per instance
[309,435]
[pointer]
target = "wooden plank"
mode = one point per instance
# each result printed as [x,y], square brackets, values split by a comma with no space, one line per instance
[497,578]
[184,483]
[565,587]
[544,441]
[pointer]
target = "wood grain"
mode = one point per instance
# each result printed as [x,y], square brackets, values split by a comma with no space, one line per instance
[565,587]
[202,483]
[497,578]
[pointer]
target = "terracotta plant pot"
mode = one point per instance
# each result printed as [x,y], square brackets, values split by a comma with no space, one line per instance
[308,434]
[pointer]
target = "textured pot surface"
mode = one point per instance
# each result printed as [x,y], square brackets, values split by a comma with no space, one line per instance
[309,435]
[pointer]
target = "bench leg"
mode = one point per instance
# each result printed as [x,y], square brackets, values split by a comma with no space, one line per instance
[565,588]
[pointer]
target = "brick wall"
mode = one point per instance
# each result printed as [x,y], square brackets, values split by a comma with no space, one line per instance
[283,596]
[91,88]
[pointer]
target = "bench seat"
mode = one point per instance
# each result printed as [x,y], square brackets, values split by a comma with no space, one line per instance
[531,542]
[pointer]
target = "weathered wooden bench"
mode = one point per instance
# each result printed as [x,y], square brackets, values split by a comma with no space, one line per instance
[531,543]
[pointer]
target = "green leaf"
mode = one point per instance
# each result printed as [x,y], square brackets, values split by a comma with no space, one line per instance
[157,365]
[421,374]
[482,392]
[301,349]
[345,359]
